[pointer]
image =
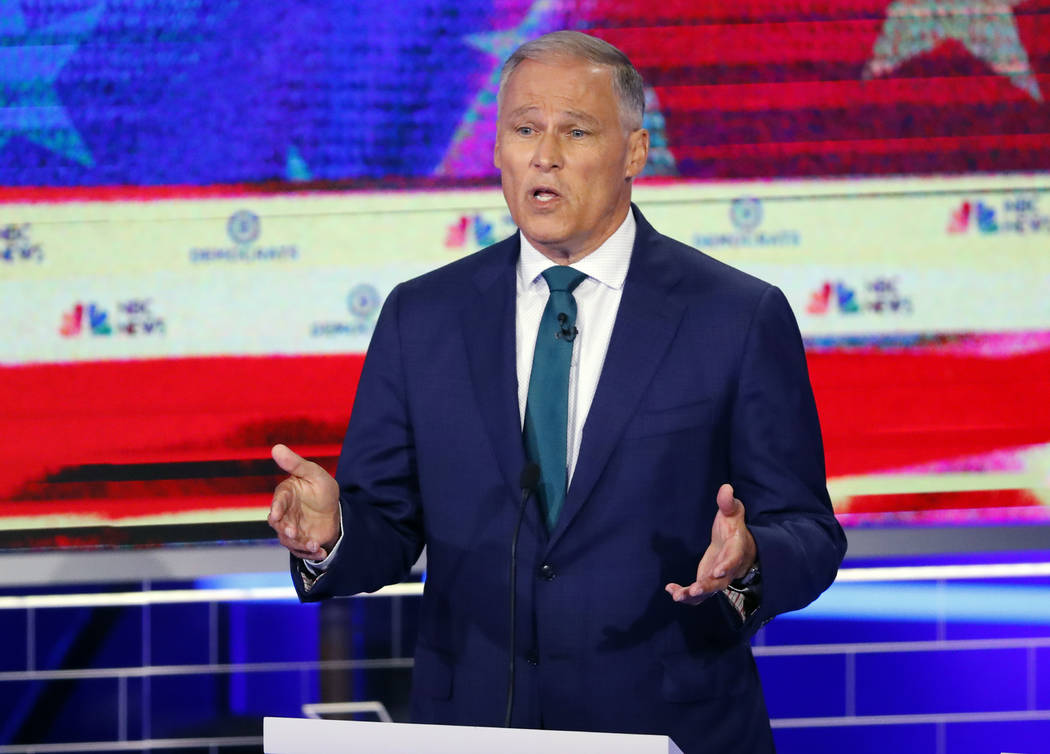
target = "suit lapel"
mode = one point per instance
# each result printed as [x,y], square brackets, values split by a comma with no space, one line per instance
[488,333]
[645,326]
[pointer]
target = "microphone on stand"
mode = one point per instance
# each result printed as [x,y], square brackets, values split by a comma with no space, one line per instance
[528,481]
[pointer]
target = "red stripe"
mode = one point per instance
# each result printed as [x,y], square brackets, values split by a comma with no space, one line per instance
[944,501]
[729,44]
[372,186]
[916,407]
[1035,144]
[61,416]
[123,509]
[51,194]
[611,19]
[992,93]
[885,411]
[686,12]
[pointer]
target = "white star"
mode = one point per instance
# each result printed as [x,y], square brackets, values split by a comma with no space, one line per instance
[986,28]
[472,143]
[29,105]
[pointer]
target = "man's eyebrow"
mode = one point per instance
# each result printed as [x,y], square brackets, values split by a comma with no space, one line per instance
[521,111]
[582,117]
[573,115]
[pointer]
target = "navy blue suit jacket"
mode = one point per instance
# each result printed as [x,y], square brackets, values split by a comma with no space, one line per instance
[705,382]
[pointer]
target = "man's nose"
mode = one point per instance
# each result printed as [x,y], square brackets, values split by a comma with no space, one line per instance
[548,154]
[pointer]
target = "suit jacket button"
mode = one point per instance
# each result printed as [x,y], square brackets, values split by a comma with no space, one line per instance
[547,572]
[533,657]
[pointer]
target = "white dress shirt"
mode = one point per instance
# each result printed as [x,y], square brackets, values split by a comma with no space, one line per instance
[597,301]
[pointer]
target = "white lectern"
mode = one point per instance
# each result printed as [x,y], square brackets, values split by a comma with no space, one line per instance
[285,735]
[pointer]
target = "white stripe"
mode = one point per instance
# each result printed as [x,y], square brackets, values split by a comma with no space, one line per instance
[204,516]
[946,645]
[169,596]
[152,743]
[911,484]
[411,589]
[944,572]
[151,671]
[943,717]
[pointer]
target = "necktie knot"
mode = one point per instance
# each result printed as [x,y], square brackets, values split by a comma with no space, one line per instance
[563,278]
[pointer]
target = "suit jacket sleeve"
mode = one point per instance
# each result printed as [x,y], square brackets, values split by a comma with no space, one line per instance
[777,464]
[379,491]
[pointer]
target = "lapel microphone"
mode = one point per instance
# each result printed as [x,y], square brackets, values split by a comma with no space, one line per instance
[566,332]
[528,481]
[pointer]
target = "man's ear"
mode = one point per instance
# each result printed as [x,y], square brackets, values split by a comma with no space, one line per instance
[495,155]
[637,152]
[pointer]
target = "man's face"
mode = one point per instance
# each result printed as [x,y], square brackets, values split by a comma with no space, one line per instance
[565,158]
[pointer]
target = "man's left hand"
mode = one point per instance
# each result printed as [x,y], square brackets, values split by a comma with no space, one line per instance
[731,553]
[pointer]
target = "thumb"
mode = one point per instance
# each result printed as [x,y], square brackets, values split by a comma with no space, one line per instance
[289,461]
[728,505]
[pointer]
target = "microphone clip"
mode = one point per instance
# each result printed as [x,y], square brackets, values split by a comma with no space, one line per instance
[565,332]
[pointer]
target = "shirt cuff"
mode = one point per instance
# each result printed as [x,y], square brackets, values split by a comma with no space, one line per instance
[744,601]
[736,599]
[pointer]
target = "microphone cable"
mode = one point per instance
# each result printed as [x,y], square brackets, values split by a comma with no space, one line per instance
[529,479]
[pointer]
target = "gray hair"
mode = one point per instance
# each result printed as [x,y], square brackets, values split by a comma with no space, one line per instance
[627,82]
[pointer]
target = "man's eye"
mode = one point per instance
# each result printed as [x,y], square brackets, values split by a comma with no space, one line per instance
[525,130]
[577,133]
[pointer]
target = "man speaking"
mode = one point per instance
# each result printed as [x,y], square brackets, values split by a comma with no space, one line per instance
[680,497]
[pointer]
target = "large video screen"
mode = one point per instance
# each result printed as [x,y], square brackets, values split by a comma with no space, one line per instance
[204,204]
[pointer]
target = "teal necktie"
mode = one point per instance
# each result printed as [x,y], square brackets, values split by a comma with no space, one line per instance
[547,407]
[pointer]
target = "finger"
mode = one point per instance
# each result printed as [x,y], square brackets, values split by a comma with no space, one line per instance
[717,567]
[729,560]
[316,555]
[287,533]
[309,550]
[289,461]
[306,550]
[279,505]
[310,555]
[727,504]
[708,568]
[278,519]
[688,595]
[677,591]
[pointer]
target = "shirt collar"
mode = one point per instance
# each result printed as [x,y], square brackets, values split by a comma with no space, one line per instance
[607,264]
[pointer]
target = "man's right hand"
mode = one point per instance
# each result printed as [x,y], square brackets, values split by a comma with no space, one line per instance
[305,508]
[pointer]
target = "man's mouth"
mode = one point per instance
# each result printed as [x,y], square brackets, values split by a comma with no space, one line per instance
[543,194]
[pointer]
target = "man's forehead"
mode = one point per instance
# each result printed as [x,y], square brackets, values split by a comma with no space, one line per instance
[577,68]
[569,113]
[573,94]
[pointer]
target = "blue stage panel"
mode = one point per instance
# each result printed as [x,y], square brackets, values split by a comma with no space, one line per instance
[276,693]
[809,686]
[910,739]
[272,632]
[180,634]
[60,712]
[979,738]
[799,628]
[931,682]
[183,705]
[1042,679]
[12,631]
[88,637]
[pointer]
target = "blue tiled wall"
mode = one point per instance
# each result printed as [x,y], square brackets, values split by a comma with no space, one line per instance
[830,685]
